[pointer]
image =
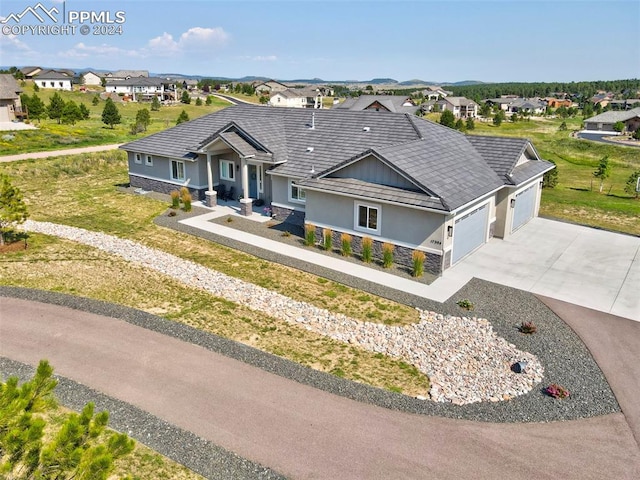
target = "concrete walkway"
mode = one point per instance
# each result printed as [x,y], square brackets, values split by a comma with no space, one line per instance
[299,431]
[59,153]
[589,267]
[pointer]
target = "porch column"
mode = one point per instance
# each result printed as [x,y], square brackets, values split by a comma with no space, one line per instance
[245,202]
[210,194]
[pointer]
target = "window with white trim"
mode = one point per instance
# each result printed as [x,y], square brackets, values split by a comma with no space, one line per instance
[177,170]
[138,158]
[367,218]
[227,170]
[296,193]
[148,161]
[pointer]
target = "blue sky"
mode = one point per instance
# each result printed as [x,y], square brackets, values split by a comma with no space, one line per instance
[433,40]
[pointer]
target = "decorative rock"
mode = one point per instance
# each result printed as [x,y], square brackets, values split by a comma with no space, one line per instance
[463,357]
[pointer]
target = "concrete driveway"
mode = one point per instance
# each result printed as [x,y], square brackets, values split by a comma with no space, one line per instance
[580,265]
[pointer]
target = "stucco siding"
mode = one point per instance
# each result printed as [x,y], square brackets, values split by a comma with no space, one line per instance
[161,170]
[404,225]
[280,193]
[372,170]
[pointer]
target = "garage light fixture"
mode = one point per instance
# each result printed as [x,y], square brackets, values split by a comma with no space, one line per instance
[513,203]
[450,231]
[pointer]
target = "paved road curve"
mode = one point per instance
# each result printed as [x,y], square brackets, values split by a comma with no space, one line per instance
[292,428]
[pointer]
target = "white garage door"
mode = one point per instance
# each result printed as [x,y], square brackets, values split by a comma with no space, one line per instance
[469,232]
[4,114]
[524,208]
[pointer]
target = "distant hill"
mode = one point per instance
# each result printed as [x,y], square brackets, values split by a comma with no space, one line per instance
[464,83]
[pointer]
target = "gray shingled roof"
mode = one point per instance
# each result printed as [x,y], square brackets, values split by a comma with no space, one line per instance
[52,75]
[614,116]
[137,82]
[360,188]
[9,88]
[393,103]
[440,161]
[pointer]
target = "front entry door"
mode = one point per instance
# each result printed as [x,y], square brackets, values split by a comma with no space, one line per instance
[253,181]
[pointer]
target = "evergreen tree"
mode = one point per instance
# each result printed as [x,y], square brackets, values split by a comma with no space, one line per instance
[618,127]
[143,119]
[110,114]
[447,119]
[84,112]
[550,179]
[71,113]
[198,102]
[13,210]
[155,104]
[184,117]
[36,87]
[209,100]
[186,98]
[498,118]
[636,134]
[460,125]
[56,105]
[95,101]
[81,448]
[37,108]
[471,124]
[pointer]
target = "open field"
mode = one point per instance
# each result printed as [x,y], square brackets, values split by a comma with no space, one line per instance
[81,191]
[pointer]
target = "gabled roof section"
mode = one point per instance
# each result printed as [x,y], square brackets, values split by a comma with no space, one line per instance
[52,75]
[359,188]
[615,116]
[9,88]
[392,103]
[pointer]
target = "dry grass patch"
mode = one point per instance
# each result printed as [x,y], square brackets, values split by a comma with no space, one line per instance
[63,266]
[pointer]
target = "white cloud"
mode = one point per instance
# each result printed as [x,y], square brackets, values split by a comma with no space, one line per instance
[267,58]
[196,38]
[11,43]
[80,50]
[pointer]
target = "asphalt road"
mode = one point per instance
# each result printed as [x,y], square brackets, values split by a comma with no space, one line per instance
[297,430]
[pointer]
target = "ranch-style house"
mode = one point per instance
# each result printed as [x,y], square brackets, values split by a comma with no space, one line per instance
[394,177]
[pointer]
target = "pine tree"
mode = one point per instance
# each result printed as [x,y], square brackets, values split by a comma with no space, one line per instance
[186,98]
[84,112]
[71,113]
[143,119]
[447,119]
[13,210]
[155,104]
[184,117]
[56,105]
[603,171]
[110,114]
[471,124]
[37,107]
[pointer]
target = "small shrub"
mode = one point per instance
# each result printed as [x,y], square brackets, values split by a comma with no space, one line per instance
[556,391]
[229,219]
[418,263]
[466,304]
[183,191]
[387,255]
[327,239]
[172,213]
[528,327]
[345,240]
[309,234]
[175,199]
[286,233]
[186,200]
[367,249]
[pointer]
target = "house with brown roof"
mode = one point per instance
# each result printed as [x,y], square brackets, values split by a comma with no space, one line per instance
[270,87]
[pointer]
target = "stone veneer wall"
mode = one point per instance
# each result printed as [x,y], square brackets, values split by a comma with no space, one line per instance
[287,215]
[401,255]
[163,187]
[492,229]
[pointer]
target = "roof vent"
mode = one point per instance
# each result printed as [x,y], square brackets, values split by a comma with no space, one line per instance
[366,129]
[313,121]
[309,149]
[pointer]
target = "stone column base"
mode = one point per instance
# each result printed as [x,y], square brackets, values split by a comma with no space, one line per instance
[211,198]
[246,206]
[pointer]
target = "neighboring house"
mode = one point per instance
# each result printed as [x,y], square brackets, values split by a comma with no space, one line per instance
[527,105]
[30,72]
[10,107]
[126,74]
[54,79]
[189,84]
[91,78]
[460,106]
[435,93]
[297,98]
[602,98]
[605,121]
[557,103]
[379,103]
[393,177]
[627,104]
[143,88]
[270,87]
[502,102]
